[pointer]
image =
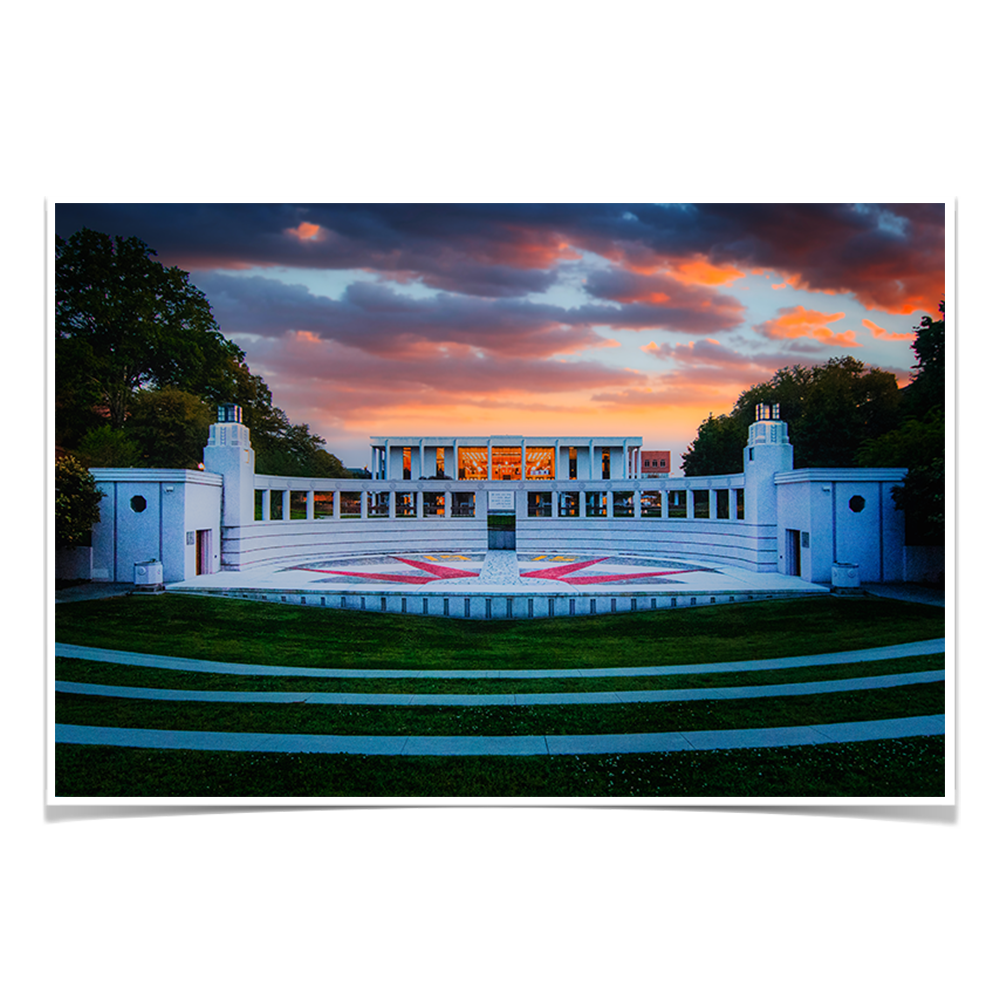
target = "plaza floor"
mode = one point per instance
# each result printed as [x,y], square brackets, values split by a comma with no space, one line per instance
[644,581]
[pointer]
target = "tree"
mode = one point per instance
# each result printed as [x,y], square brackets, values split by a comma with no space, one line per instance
[169,427]
[106,447]
[919,443]
[718,447]
[139,358]
[281,447]
[831,410]
[926,391]
[77,503]
[125,321]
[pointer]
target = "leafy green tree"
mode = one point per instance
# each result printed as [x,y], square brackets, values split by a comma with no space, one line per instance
[926,391]
[913,443]
[719,446]
[831,410]
[919,444]
[77,503]
[139,358]
[169,427]
[281,447]
[921,497]
[106,447]
[124,321]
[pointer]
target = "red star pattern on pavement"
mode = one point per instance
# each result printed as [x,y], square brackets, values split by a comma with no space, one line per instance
[437,573]
[560,573]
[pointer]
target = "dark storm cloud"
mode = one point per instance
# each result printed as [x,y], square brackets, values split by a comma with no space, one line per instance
[890,257]
[380,320]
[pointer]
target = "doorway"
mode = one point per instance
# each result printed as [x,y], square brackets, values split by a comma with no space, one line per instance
[793,552]
[203,552]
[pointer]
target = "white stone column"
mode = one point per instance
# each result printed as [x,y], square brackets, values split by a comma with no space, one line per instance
[286,505]
[310,505]
[265,505]
[524,458]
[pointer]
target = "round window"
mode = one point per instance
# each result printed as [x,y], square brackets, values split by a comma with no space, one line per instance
[138,504]
[856,503]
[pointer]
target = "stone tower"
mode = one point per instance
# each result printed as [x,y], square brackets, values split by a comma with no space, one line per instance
[768,451]
[228,453]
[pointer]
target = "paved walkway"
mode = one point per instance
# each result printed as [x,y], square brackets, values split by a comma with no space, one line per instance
[906,592]
[504,745]
[93,592]
[476,700]
[924,648]
[411,746]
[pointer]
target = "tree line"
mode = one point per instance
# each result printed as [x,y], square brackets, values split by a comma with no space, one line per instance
[141,365]
[844,414]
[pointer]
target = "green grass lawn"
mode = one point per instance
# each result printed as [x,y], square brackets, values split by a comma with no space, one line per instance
[95,672]
[502,720]
[217,628]
[896,768]
[228,630]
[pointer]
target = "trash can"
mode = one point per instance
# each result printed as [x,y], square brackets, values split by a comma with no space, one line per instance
[845,576]
[149,577]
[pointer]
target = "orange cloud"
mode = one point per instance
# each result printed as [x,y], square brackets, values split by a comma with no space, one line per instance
[782,285]
[794,322]
[304,231]
[879,332]
[698,271]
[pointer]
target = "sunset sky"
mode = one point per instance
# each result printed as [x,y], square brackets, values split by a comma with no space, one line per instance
[542,319]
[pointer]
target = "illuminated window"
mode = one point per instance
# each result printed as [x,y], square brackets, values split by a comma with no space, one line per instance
[677,503]
[472,463]
[539,505]
[597,505]
[572,463]
[506,463]
[407,463]
[439,463]
[569,504]
[605,463]
[541,463]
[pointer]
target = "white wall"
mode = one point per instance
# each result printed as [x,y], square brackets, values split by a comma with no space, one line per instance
[178,501]
[817,501]
[284,542]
